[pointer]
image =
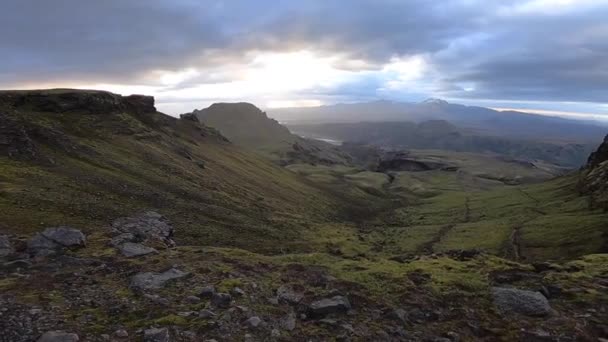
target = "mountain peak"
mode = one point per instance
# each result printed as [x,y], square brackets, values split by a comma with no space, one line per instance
[435,101]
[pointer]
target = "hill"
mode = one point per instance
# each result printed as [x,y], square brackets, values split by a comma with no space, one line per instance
[249,127]
[118,222]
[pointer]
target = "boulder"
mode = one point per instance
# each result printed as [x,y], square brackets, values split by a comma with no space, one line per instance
[207,291]
[221,300]
[289,322]
[253,322]
[529,303]
[132,249]
[5,246]
[152,281]
[157,335]
[53,240]
[139,228]
[325,306]
[58,336]
[288,295]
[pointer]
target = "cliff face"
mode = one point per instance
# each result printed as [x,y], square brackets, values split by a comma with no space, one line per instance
[73,100]
[594,177]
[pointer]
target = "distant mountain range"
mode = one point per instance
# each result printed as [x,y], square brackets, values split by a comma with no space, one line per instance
[481,120]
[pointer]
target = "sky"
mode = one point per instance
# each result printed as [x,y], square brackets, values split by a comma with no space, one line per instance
[547,56]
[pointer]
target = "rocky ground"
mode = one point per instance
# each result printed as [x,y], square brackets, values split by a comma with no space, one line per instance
[131,283]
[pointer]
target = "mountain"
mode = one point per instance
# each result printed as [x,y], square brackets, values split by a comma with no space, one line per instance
[442,135]
[248,126]
[118,222]
[482,120]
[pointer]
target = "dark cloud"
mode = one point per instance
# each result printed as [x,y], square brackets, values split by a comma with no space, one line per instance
[493,49]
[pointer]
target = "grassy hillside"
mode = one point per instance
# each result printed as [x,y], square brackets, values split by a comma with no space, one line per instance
[86,168]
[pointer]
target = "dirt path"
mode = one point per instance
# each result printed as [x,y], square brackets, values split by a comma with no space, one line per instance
[427,247]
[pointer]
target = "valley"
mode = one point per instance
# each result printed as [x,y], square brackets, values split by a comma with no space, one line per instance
[223,225]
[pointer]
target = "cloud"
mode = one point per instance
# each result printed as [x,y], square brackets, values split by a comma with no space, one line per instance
[311,51]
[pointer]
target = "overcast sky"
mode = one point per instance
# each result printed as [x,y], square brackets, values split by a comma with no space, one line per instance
[549,55]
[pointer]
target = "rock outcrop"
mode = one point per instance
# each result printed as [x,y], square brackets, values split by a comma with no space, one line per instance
[53,240]
[147,226]
[594,177]
[74,100]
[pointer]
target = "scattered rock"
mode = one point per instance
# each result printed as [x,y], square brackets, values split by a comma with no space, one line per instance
[149,225]
[237,292]
[221,300]
[121,333]
[5,246]
[157,299]
[325,306]
[193,299]
[156,335]
[275,333]
[52,240]
[289,322]
[207,291]
[509,300]
[206,314]
[398,315]
[58,336]
[253,322]
[151,281]
[289,295]
[131,249]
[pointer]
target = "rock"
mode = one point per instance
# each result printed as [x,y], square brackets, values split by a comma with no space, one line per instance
[336,304]
[237,292]
[207,291]
[289,322]
[289,295]
[193,299]
[550,291]
[453,336]
[157,299]
[52,240]
[253,322]
[122,238]
[221,300]
[398,315]
[275,333]
[206,314]
[58,336]
[121,333]
[5,246]
[149,225]
[131,249]
[156,335]
[509,300]
[151,281]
